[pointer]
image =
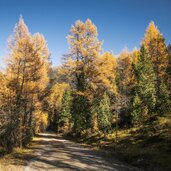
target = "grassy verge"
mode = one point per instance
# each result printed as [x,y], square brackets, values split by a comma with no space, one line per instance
[18,159]
[147,147]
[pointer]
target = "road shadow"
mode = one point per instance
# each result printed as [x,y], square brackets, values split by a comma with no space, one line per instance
[50,152]
[55,152]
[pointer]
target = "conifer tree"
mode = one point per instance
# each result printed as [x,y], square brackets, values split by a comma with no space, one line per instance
[27,76]
[94,114]
[84,50]
[169,74]
[104,114]
[154,42]
[104,81]
[163,104]
[65,115]
[80,113]
[145,90]
[136,110]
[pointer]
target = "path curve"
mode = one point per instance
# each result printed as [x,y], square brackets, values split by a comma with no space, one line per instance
[56,154]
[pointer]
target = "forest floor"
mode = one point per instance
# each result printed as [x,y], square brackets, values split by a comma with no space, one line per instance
[147,146]
[49,152]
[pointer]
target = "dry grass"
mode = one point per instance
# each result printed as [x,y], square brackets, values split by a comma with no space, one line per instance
[17,160]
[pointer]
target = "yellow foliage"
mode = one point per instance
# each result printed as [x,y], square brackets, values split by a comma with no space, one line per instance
[134,55]
[107,72]
[125,72]
[41,121]
[56,94]
[155,44]
[152,32]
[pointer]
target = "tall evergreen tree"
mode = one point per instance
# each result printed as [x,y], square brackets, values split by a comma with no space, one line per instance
[80,113]
[104,114]
[154,42]
[136,111]
[163,105]
[145,92]
[65,115]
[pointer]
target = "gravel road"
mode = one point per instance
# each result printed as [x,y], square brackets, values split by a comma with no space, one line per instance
[56,154]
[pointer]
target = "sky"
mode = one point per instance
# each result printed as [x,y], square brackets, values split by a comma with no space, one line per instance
[120,23]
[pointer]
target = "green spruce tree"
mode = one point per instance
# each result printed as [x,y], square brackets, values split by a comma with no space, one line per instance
[136,109]
[65,116]
[145,92]
[104,114]
[80,113]
[163,102]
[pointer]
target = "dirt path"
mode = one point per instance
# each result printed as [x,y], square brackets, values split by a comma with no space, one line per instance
[52,153]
